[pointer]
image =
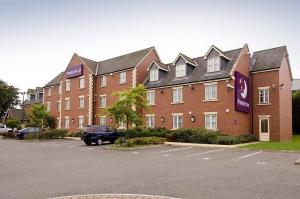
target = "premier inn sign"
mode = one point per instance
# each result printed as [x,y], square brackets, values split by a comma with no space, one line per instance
[242,93]
[74,71]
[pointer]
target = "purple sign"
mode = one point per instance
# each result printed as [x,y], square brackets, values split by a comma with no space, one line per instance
[74,71]
[242,93]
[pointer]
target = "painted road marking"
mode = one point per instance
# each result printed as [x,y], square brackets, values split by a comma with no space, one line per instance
[135,152]
[251,154]
[172,150]
[205,152]
[297,162]
[166,155]
[261,163]
[205,158]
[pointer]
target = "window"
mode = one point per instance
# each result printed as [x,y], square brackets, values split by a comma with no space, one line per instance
[151,97]
[122,125]
[59,89]
[67,104]
[81,101]
[67,122]
[264,95]
[122,77]
[102,101]
[68,85]
[58,123]
[180,70]
[211,121]
[58,105]
[177,120]
[150,121]
[177,95]
[213,64]
[49,91]
[81,82]
[48,106]
[102,120]
[264,125]
[80,122]
[153,74]
[103,81]
[210,91]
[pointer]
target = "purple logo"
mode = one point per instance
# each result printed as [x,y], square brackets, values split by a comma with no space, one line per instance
[242,93]
[74,71]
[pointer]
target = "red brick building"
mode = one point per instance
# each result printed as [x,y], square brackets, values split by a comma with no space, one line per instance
[231,91]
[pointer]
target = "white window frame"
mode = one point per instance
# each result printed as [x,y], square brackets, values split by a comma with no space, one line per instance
[151,97]
[59,88]
[48,106]
[80,122]
[122,125]
[68,85]
[175,120]
[177,95]
[81,82]
[213,64]
[49,91]
[58,106]
[67,118]
[180,70]
[122,77]
[265,92]
[267,117]
[154,74]
[211,91]
[150,120]
[58,123]
[103,100]
[81,101]
[103,81]
[102,120]
[210,124]
[67,103]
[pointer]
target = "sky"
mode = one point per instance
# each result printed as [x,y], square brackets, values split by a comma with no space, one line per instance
[38,38]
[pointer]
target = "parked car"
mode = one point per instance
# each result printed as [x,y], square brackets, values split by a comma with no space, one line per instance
[99,134]
[23,132]
[4,129]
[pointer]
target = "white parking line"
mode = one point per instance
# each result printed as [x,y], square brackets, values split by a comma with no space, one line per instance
[136,152]
[205,152]
[251,154]
[171,150]
[206,158]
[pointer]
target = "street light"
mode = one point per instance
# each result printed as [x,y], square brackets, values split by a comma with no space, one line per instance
[22,93]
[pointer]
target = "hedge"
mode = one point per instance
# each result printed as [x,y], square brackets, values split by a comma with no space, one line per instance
[75,133]
[141,141]
[47,135]
[145,132]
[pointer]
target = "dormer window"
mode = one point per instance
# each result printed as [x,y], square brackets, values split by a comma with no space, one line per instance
[213,64]
[153,74]
[180,70]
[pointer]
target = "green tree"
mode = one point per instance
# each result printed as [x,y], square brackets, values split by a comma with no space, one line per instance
[13,123]
[39,116]
[296,112]
[129,106]
[8,97]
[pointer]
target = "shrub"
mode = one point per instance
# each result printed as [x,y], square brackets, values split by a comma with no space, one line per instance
[193,135]
[7,135]
[75,134]
[141,141]
[227,140]
[145,132]
[247,138]
[47,135]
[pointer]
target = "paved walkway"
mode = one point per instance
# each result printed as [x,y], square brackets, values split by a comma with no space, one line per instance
[114,196]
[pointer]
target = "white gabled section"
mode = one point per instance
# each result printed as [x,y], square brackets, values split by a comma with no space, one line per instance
[186,61]
[156,63]
[216,49]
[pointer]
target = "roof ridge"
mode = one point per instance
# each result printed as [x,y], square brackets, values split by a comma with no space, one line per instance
[87,58]
[270,49]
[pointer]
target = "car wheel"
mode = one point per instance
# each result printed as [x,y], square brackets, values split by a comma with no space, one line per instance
[87,142]
[99,142]
[9,132]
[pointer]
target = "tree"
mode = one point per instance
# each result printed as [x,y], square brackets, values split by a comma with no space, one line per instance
[39,116]
[296,112]
[13,123]
[130,105]
[8,96]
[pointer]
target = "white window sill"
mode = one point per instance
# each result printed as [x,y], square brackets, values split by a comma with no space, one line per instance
[151,104]
[122,83]
[80,108]
[102,86]
[264,104]
[102,106]
[67,91]
[177,102]
[81,88]
[66,109]
[210,100]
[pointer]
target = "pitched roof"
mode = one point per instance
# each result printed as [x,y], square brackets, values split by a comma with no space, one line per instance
[160,65]
[223,54]
[92,65]
[17,114]
[55,80]
[296,85]
[198,74]
[122,62]
[268,59]
[186,58]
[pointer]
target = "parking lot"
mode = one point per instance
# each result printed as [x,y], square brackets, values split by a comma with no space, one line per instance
[68,167]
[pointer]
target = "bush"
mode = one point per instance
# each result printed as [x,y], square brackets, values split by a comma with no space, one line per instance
[145,132]
[47,135]
[7,135]
[75,134]
[246,138]
[141,141]
[227,140]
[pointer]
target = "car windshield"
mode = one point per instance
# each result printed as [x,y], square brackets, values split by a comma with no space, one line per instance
[88,129]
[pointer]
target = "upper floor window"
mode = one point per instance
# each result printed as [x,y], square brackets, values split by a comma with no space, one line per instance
[210,91]
[150,121]
[211,121]
[122,77]
[103,81]
[81,82]
[49,91]
[151,97]
[153,74]
[264,95]
[67,104]
[81,101]
[213,64]
[177,95]
[102,101]
[68,85]
[59,89]
[180,70]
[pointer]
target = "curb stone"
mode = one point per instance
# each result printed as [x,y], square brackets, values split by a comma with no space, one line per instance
[297,162]
[208,145]
[114,196]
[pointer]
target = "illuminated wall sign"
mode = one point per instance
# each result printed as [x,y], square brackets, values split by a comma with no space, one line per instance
[242,93]
[74,71]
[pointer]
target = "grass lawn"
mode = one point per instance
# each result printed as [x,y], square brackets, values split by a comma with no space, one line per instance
[277,146]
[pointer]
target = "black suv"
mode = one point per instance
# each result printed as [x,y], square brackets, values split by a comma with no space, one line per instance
[99,134]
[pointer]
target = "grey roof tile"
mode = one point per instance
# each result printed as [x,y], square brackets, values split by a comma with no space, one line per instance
[55,80]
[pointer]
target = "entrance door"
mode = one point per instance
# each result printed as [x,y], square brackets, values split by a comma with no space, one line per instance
[264,128]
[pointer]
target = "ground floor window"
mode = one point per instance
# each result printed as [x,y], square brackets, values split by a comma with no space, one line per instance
[58,123]
[177,120]
[80,122]
[150,121]
[102,120]
[211,121]
[67,122]
[122,125]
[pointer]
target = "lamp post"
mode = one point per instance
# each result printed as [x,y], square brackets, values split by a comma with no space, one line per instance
[22,93]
